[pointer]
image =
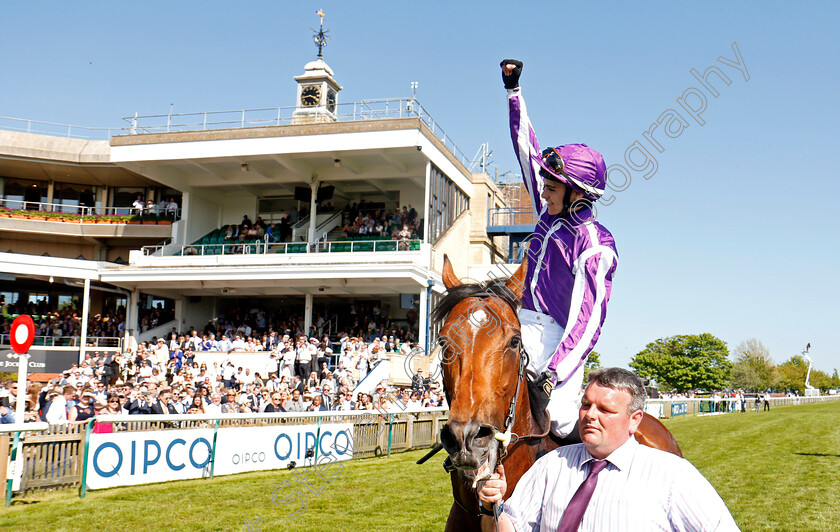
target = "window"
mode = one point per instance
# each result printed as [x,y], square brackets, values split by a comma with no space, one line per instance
[10,298]
[446,203]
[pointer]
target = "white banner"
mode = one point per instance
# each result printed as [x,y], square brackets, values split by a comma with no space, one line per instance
[240,449]
[127,458]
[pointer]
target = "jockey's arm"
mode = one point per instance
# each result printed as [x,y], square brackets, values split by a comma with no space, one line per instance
[526,147]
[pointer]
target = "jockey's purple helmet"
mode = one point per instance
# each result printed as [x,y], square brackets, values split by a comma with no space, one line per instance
[576,165]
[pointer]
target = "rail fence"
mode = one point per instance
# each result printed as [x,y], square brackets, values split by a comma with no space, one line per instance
[55,458]
[670,408]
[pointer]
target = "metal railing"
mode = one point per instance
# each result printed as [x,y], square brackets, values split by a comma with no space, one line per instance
[267,248]
[511,216]
[84,211]
[69,341]
[700,406]
[57,130]
[377,109]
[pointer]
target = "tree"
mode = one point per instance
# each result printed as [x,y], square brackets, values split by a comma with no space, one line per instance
[592,363]
[753,368]
[792,374]
[685,362]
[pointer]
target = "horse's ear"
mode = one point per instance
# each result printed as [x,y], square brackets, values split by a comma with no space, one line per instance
[449,278]
[516,283]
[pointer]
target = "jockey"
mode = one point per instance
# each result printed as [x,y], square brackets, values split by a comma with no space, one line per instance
[571,259]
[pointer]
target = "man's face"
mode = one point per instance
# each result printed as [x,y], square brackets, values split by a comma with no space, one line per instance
[553,192]
[604,422]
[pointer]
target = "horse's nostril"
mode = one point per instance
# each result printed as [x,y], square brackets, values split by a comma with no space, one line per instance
[484,432]
[448,440]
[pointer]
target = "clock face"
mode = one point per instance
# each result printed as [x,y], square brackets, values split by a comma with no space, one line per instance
[331,101]
[310,96]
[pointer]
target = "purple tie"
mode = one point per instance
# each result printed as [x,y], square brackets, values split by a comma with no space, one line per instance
[573,515]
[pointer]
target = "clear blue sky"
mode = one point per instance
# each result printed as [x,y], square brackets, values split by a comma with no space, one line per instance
[735,234]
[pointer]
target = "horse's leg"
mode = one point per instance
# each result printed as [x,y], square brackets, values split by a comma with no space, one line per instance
[654,434]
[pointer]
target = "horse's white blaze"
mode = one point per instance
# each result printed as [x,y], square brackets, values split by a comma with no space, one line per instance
[478,318]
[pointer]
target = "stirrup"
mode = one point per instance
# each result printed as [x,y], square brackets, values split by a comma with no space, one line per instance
[546,382]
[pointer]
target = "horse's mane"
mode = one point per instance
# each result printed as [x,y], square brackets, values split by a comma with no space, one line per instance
[456,294]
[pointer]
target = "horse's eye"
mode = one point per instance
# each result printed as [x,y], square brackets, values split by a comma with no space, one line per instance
[515,342]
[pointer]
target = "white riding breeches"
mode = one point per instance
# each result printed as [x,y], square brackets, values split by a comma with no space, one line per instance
[541,334]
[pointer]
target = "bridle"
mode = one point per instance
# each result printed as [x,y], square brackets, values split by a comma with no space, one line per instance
[504,438]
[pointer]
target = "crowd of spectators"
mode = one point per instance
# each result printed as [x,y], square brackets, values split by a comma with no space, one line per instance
[166,207]
[157,380]
[65,322]
[397,224]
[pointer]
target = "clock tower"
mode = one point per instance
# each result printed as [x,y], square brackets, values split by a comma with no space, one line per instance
[317,91]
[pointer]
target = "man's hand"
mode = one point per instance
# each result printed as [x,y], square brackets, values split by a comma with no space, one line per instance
[494,488]
[511,70]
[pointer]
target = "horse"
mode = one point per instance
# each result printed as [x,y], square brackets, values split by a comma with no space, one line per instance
[496,412]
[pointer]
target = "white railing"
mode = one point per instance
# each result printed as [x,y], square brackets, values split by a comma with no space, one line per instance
[266,248]
[386,108]
[103,342]
[378,109]
[81,210]
[57,130]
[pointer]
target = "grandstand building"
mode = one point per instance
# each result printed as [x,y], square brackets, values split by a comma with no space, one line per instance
[73,235]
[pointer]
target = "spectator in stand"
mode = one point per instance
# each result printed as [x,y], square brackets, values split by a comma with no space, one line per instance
[172,208]
[215,405]
[197,404]
[57,411]
[317,404]
[296,404]
[138,206]
[276,405]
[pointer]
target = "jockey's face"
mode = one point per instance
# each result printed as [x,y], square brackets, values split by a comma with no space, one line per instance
[553,192]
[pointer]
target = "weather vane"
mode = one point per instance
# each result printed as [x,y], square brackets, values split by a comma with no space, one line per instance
[321,36]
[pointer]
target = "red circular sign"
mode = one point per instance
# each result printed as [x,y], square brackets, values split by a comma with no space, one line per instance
[22,334]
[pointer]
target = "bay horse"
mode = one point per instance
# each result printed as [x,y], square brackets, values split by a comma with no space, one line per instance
[490,397]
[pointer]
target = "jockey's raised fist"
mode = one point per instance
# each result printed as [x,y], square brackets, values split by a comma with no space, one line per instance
[511,70]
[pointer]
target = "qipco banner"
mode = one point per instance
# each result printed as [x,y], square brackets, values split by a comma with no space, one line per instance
[121,459]
[240,449]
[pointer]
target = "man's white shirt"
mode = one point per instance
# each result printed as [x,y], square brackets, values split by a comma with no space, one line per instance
[640,489]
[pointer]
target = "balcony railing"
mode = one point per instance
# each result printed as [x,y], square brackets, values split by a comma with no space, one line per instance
[511,216]
[57,130]
[277,116]
[70,341]
[269,248]
[83,212]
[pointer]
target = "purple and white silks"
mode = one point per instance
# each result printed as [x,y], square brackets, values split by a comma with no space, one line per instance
[571,259]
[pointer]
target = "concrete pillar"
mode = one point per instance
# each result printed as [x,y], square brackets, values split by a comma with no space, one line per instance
[181,237]
[85,313]
[313,214]
[50,194]
[422,320]
[307,314]
[131,320]
[179,314]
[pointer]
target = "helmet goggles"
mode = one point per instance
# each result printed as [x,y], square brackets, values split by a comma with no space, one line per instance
[553,161]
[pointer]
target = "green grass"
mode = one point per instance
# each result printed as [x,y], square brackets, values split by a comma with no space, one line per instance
[775,470]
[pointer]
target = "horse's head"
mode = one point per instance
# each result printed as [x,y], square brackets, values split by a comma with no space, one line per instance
[480,352]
